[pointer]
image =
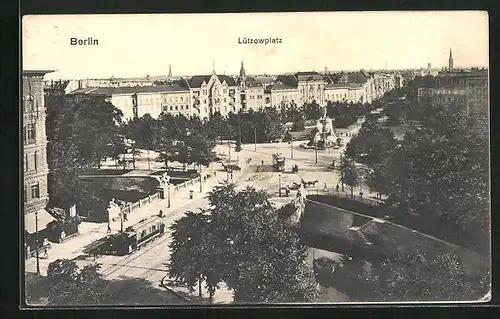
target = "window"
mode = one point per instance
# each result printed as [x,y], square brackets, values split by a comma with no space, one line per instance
[35,159]
[224,91]
[30,133]
[35,191]
[182,99]
[25,194]
[164,108]
[182,107]
[224,100]
[177,108]
[204,92]
[25,162]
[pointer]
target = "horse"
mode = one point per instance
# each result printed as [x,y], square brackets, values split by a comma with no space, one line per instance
[312,183]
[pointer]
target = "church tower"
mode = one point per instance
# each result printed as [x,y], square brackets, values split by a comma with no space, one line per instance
[450,62]
[242,75]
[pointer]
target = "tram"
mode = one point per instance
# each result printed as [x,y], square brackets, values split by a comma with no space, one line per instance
[132,239]
[278,163]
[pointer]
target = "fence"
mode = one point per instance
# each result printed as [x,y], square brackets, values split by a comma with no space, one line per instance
[133,206]
[186,183]
[343,194]
[151,198]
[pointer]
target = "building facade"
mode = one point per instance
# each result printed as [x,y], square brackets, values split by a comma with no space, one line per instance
[466,88]
[35,167]
[215,93]
[203,95]
[311,87]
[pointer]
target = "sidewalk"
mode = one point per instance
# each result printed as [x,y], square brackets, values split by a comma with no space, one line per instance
[90,231]
[223,295]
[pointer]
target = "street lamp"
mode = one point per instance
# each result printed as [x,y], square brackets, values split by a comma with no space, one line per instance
[121,222]
[341,172]
[279,185]
[255,137]
[291,145]
[201,181]
[316,150]
[168,195]
[37,244]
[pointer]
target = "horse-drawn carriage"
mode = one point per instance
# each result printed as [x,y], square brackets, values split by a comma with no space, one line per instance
[230,167]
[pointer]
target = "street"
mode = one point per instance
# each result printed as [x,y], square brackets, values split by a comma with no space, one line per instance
[150,262]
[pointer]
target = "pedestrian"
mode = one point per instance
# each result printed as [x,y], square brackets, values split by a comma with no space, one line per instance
[191,194]
[337,188]
[161,213]
[45,253]
[125,217]
[262,162]
[109,228]
[287,190]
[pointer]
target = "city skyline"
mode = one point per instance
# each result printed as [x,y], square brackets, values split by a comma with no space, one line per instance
[138,45]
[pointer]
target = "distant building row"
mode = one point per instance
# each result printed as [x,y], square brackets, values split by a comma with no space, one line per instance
[203,95]
[467,88]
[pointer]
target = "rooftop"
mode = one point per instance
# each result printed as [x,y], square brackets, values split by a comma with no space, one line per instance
[108,91]
[37,72]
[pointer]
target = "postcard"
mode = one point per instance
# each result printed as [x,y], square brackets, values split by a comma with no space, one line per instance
[255,158]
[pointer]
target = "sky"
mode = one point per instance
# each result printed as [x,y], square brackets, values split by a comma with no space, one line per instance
[139,45]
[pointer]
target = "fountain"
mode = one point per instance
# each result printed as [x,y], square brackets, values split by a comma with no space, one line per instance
[325,136]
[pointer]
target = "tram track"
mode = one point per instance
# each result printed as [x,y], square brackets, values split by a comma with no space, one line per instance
[136,260]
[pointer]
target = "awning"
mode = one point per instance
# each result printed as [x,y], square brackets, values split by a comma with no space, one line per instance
[43,219]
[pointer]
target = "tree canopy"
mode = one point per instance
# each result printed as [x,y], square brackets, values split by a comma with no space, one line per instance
[413,277]
[81,134]
[438,175]
[70,285]
[243,245]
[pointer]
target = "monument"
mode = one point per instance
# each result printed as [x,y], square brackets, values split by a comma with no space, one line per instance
[325,136]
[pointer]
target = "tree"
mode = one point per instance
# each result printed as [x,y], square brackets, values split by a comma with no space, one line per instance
[81,135]
[379,179]
[438,175]
[216,126]
[372,144]
[259,258]
[312,111]
[237,148]
[271,126]
[166,143]
[419,276]
[349,174]
[296,115]
[142,132]
[188,263]
[70,285]
[95,124]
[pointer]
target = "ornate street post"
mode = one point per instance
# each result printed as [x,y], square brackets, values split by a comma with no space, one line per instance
[168,194]
[37,244]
